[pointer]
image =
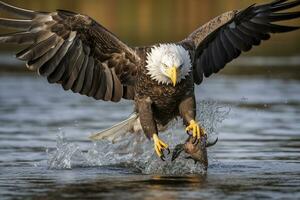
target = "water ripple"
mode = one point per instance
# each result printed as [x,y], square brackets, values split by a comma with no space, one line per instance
[257,155]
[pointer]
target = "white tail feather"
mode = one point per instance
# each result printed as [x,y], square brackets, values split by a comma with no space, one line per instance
[117,130]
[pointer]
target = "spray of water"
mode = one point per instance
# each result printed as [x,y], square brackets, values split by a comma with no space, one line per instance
[135,151]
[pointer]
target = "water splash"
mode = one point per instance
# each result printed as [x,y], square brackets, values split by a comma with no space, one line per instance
[211,114]
[61,157]
[135,151]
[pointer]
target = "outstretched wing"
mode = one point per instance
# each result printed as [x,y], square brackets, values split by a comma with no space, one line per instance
[74,51]
[224,38]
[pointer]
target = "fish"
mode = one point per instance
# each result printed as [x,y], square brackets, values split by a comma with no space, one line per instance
[195,151]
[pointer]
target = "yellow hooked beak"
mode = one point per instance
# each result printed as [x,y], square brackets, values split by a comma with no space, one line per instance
[172,73]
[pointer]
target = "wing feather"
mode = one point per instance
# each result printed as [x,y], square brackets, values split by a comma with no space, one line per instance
[15,23]
[109,84]
[224,38]
[36,63]
[96,80]
[76,69]
[88,76]
[102,87]
[37,50]
[118,88]
[25,37]
[80,80]
[49,67]
[17,11]
[72,50]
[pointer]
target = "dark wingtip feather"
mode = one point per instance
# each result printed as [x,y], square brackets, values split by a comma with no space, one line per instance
[277,2]
[241,14]
[15,23]
[38,49]
[65,13]
[285,6]
[17,11]
[275,17]
[282,29]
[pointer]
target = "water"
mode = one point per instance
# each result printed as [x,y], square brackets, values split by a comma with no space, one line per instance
[45,152]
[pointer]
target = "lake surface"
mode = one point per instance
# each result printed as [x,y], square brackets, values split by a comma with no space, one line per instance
[45,153]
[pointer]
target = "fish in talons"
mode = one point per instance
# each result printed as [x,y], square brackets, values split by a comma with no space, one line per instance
[196,152]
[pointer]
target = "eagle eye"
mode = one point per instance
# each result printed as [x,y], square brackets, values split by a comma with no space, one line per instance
[164,65]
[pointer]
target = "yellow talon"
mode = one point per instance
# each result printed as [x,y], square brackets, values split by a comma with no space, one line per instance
[160,146]
[197,130]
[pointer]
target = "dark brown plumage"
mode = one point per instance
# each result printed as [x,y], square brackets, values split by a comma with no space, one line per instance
[75,51]
[224,38]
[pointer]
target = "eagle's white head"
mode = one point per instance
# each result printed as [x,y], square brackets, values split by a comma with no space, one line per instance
[168,64]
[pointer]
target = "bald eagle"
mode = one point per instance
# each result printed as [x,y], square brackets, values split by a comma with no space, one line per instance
[80,54]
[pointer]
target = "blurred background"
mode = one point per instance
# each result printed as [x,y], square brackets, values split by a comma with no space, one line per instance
[146,22]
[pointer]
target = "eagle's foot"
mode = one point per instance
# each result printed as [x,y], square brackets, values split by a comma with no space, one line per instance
[160,146]
[197,131]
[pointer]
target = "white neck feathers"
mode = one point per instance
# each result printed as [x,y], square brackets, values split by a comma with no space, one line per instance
[168,55]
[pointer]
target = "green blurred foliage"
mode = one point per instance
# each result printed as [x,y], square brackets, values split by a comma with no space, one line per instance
[145,22]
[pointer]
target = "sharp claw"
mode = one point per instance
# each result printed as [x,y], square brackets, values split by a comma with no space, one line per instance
[168,151]
[195,140]
[160,146]
[187,132]
[212,144]
[204,140]
[177,151]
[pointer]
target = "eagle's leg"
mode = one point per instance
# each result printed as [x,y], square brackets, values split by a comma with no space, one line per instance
[149,126]
[187,110]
